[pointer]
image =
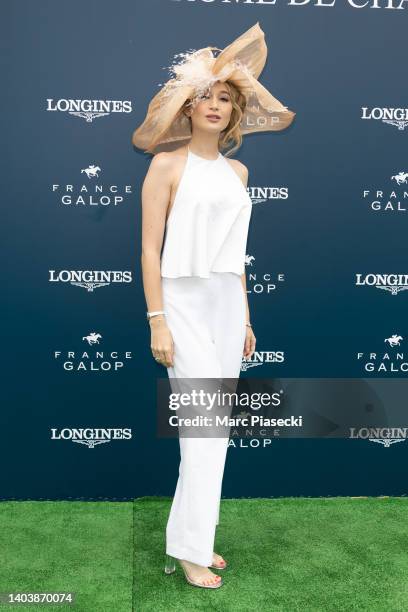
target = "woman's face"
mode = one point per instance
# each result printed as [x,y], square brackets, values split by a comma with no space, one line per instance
[213,109]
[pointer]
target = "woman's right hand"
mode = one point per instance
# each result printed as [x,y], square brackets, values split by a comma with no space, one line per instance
[162,344]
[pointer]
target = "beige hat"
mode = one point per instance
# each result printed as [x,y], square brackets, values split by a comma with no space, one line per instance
[240,63]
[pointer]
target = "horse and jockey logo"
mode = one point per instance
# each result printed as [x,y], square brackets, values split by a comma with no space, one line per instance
[249,259]
[400,178]
[91,171]
[394,340]
[92,338]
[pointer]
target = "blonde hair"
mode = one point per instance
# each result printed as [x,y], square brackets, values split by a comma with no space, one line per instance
[232,133]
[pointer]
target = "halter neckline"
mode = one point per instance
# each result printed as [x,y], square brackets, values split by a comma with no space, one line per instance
[204,158]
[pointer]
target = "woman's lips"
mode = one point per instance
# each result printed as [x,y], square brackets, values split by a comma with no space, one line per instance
[213,118]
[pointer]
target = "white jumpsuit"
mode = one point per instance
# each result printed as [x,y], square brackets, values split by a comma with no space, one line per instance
[202,261]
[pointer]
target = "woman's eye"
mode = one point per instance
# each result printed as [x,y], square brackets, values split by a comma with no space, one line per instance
[223,99]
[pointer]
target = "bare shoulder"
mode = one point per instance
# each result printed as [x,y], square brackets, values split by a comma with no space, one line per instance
[168,160]
[167,165]
[239,168]
[160,162]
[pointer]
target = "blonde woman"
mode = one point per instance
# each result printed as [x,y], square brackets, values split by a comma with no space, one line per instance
[195,218]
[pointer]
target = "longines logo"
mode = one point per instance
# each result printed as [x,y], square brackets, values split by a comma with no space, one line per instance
[91,193]
[394,283]
[387,361]
[388,200]
[398,117]
[260,281]
[382,435]
[90,279]
[263,194]
[261,357]
[91,436]
[89,109]
[93,360]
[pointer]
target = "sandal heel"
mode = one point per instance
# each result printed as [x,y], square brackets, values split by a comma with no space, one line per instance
[170,565]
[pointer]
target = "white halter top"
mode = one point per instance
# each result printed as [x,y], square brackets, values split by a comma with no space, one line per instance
[207,227]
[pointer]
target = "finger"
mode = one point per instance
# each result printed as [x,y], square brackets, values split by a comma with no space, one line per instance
[168,358]
[248,345]
[246,349]
[158,356]
[172,351]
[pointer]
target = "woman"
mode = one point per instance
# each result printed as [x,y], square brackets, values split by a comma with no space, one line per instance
[195,200]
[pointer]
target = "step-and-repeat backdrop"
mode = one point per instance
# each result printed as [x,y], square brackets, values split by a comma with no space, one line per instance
[327,264]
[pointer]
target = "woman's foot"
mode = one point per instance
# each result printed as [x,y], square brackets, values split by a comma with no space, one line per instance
[218,561]
[200,574]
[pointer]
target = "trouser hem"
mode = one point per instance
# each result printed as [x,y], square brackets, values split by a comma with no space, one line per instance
[189,554]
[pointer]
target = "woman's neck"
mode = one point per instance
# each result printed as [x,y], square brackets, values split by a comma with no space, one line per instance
[207,149]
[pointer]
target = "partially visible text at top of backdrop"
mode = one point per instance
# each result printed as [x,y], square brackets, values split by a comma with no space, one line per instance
[327,266]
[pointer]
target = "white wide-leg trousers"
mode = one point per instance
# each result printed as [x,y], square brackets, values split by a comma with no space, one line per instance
[206,318]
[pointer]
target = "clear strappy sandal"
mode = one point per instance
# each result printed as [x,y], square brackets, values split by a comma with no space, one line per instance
[219,567]
[170,568]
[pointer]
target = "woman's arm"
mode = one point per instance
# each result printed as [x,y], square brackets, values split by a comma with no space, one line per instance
[156,191]
[243,280]
[242,172]
[250,340]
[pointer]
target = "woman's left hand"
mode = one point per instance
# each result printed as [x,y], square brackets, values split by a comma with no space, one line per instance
[250,342]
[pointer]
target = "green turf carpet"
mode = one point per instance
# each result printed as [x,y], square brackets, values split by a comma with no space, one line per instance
[82,547]
[284,555]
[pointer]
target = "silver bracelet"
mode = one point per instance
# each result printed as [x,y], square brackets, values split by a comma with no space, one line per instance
[154,313]
[248,324]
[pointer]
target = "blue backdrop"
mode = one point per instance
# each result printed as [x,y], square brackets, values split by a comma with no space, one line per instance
[77,355]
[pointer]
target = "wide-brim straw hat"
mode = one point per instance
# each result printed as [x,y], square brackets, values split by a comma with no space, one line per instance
[240,63]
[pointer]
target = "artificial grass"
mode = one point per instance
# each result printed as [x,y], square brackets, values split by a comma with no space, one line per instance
[284,555]
[61,546]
